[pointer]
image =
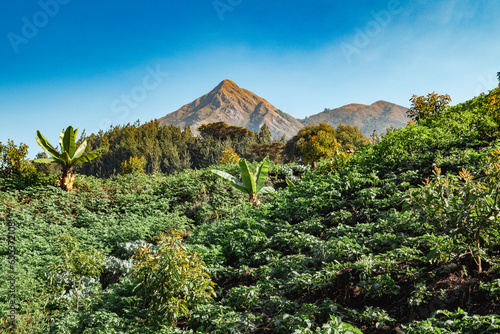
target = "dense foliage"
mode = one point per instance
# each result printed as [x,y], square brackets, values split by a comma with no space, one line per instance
[168,149]
[316,142]
[402,237]
[425,106]
[69,156]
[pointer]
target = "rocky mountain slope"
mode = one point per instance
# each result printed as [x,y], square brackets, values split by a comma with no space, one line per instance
[236,106]
[378,116]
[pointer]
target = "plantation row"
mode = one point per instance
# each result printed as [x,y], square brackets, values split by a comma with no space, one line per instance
[401,236]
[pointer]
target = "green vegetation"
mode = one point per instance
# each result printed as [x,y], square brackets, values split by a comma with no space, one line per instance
[171,279]
[133,165]
[16,171]
[229,156]
[69,155]
[402,236]
[425,106]
[253,182]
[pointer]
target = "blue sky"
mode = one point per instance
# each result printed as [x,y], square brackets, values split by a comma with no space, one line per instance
[91,64]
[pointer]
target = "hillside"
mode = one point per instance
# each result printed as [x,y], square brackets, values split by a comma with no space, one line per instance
[235,106]
[402,238]
[377,116]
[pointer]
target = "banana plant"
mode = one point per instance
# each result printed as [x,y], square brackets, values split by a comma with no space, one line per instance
[69,155]
[252,183]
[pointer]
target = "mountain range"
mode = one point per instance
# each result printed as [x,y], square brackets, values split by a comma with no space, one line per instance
[237,106]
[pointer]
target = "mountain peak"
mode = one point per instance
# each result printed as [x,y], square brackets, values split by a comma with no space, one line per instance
[226,84]
[235,106]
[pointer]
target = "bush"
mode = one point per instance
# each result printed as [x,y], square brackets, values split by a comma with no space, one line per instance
[229,157]
[134,165]
[171,279]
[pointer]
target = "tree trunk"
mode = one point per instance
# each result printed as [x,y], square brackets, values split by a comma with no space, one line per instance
[254,200]
[66,179]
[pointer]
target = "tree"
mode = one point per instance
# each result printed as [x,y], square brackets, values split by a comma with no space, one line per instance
[349,137]
[229,156]
[14,161]
[493,106]
[223,131]
[317,142]
[425,106]
[252,183]
[275,151]
[69,156]
[264,135]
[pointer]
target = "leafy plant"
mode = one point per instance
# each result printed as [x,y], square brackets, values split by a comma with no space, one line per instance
[229,156]
[425,106]
[379,286]
[134,165]
[171,278]
[252,183]
[77,263]
[334,162]
[459,321]
[334,326]
[69,155]
[492,287]
[467,207]
[419,296]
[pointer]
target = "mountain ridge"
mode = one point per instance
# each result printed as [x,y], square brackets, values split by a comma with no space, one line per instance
[377,116]
[229,103]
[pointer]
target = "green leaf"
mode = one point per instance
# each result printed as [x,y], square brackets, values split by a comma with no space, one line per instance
[234,181]
[47,161]
[65,158]
[290,183]
[61,136]
[266,190]
[47,146]
[91,155]
[261,174]
[69,141]
[247,177]
[81,149]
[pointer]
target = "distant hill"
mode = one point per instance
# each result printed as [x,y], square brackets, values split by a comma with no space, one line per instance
[377,116]
[235,106]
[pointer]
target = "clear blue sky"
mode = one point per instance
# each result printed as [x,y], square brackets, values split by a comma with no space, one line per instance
[94,63]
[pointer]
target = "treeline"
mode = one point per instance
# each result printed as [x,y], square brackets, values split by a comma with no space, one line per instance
[169,149]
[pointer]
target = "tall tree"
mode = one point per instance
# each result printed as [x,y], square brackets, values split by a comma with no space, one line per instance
[317,142]
[349,137]
[264,135]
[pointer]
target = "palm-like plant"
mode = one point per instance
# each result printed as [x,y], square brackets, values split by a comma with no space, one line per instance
[69,155]
[251,184]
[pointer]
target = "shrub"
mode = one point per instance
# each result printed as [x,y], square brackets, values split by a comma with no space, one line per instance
[229,157]
[171,278]
[79,264]
[134,165]
[464,207]
[423,107]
